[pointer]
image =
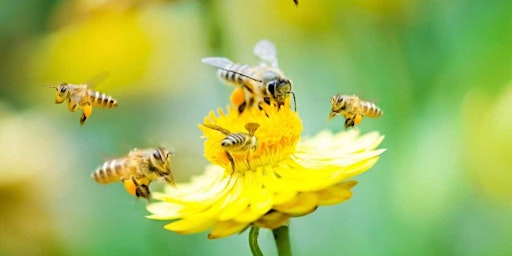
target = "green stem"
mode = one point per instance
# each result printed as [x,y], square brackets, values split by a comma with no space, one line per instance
[282,237]
[253,241]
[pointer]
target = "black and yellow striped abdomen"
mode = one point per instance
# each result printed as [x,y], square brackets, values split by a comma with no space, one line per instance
[232,74]
[236,141]
[102,100]
[114,170]
[369,109]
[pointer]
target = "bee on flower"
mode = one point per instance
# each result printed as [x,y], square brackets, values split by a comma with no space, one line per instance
[255,85]
[237,141]
[288,176]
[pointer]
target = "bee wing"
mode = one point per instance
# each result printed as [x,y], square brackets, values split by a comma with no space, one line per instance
[96,79]
[266,51]
[252,127]
[218,62]
[225,64]
[217,128]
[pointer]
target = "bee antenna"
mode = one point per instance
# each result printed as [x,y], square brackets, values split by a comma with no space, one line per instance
[294,101]
[50,86]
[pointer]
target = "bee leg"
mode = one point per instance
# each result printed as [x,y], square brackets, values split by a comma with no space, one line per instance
[82,119]
[72,106]
[230,157]
[248,160]
[357,119]
[241,108]
[87,111]
[266,101]
[349,122]
[141,190]
[129,185]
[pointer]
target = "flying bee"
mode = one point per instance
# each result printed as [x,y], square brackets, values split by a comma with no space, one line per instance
[353,109]
[79,96]
[137,170]
[264,83]
[238,141]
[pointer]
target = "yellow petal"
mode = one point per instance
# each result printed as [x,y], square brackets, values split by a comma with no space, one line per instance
[238,203]
[260,199]
[303,203]
[273,220]
[190,226]
[335,194]
[226,228]
[164,211]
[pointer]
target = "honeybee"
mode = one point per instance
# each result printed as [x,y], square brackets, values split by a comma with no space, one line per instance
[79,96]
[238,141]
[137,170]
[264,83]
[353,109]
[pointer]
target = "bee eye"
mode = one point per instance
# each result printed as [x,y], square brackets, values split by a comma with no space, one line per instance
[63,89]
[272,87]
[156,154]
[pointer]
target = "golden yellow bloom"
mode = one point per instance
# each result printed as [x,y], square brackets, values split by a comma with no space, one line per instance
[289,177]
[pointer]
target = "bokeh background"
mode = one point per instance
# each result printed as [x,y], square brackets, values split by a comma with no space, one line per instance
[440,70]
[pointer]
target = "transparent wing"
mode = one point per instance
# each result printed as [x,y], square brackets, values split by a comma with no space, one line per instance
[225,64]
[217,128]
[267,52]
[251,128]
[96,79]
[218,62]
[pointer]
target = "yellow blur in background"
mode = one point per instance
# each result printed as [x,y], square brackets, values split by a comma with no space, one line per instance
[441,72]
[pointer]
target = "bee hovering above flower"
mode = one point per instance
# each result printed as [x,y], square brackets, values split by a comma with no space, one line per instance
[353,109]
[264,83]
[80,96]
[238,141]
[137,170]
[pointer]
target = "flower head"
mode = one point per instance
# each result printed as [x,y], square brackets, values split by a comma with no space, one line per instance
[284,177]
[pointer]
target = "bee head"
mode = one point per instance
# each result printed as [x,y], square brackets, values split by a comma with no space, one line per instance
[161,160]
[280,89]
[338,105]
[62,93]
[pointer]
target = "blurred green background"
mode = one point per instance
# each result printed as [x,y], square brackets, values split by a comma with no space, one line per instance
[440,70]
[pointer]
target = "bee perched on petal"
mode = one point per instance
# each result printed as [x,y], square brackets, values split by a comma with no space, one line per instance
[137,170]
[80,96]
[237,141]
[353,109]
[264,83]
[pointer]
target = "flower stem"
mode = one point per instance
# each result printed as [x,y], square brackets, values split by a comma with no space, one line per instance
[253,241]
[282,237]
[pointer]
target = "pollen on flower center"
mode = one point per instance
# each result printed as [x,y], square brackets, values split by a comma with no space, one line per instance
[277,136]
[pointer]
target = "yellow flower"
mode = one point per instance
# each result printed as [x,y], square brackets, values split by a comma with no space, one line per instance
[287,177]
